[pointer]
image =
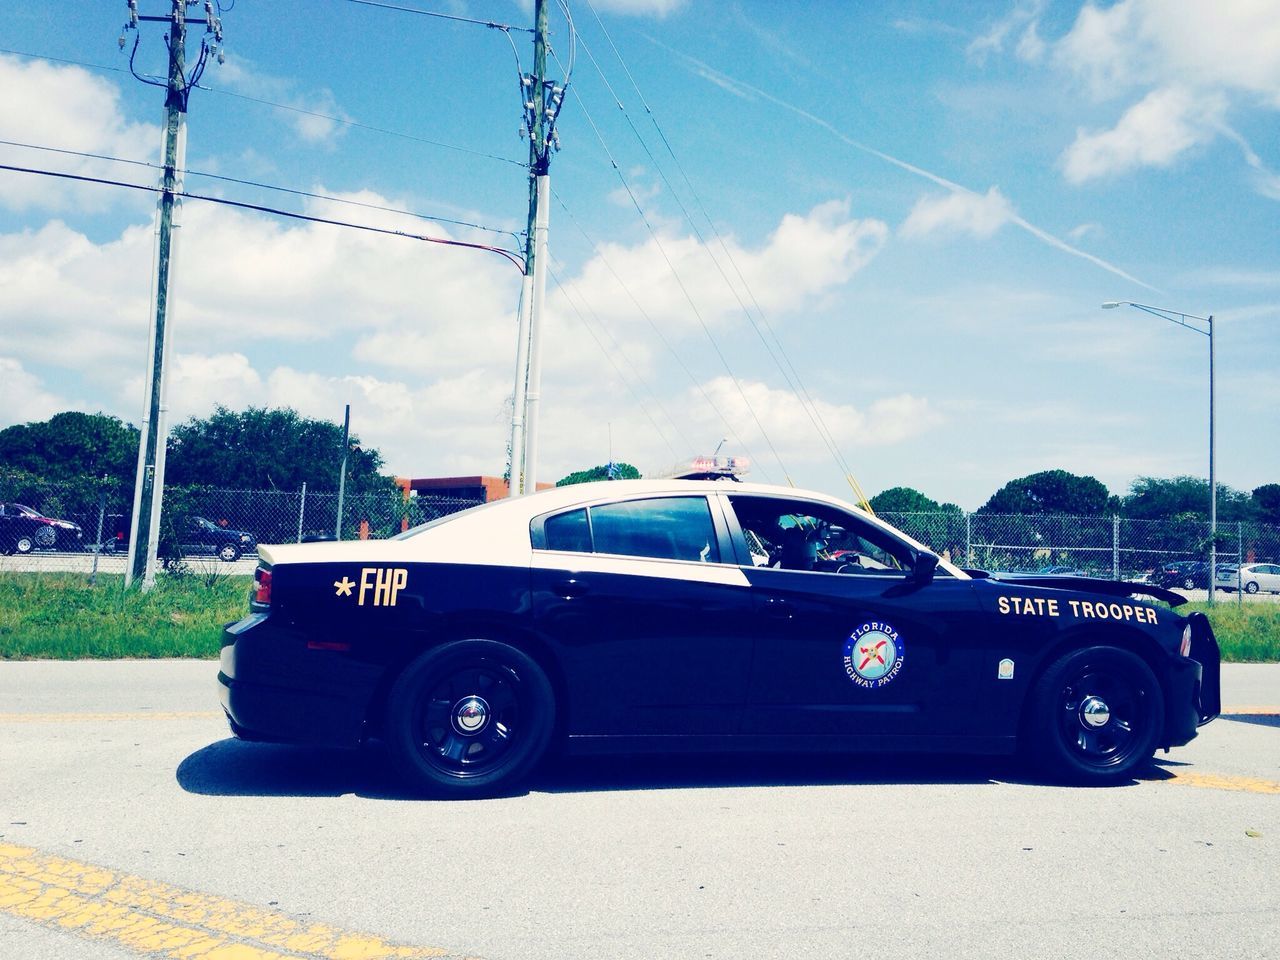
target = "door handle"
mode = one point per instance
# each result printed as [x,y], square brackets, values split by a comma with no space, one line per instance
[570,588]
[776,607]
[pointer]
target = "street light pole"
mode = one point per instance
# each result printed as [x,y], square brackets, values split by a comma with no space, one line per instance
[1176,316]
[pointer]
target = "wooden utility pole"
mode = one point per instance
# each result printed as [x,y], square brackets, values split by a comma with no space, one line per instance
[541,106]
[148,493]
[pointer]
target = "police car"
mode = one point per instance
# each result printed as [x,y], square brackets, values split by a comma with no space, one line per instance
[700,615]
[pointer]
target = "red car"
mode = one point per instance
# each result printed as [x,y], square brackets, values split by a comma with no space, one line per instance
[23,529]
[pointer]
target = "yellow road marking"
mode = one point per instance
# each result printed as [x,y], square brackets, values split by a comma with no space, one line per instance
[158,919]
[1217,781]
[109,717]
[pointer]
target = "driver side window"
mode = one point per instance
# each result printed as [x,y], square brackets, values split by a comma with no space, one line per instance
[799,535]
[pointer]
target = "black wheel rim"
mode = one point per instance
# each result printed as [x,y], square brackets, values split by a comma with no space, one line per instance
[1103,716]
[468,721]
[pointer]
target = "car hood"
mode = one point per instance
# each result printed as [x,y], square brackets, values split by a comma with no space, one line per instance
[1112,588]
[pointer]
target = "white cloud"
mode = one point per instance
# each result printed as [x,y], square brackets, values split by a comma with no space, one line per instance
[880,422]
[1152,133]
[1021,22]
[1229,45]
[961,211]
[640,8]
[22,395]
[453,425]
[1080,231]
[805,256]
[199,382]
[68,108]
[315,115]
[1190,61]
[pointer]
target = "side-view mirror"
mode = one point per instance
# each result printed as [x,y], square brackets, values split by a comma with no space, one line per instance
[923,569]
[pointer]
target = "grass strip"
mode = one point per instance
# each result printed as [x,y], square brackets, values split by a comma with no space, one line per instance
[58,616]
[1247,632]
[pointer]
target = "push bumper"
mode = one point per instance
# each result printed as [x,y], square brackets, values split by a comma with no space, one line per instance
[1193,692]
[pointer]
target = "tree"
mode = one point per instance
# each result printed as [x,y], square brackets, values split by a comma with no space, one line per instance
[1185,498]
[261,449]
[1051,491]
[1266,500]
[909,500]
[71,445]
[621,471]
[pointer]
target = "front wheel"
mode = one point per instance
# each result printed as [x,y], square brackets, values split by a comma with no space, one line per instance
[229,552]
[24,544]
[469,719]
[1096,715]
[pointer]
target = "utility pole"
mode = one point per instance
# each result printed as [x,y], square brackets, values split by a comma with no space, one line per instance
[542,101]
[342,471]
[148,493]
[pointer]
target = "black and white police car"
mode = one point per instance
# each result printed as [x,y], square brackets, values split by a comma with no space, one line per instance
[700,615]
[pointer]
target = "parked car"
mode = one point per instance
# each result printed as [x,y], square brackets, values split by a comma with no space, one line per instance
[1186,574]
[200,536]
[1251,577]
[23,529]
[700,615]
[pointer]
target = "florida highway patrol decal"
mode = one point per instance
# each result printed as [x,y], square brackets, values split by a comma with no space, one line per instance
[873,655]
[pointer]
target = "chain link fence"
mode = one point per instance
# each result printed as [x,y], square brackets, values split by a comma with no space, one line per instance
[83,526]
[1112,547]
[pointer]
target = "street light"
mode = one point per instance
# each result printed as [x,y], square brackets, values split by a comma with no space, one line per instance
[1181,319]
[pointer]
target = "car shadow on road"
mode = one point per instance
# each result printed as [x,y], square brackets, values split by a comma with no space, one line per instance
[235,768]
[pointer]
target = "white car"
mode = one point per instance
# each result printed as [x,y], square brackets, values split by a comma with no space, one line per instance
[1253,577]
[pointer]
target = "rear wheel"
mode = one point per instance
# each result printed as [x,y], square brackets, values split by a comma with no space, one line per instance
[1096,716]
[469,719]
[1251,586]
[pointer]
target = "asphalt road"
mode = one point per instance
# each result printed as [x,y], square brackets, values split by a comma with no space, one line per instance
[128,820]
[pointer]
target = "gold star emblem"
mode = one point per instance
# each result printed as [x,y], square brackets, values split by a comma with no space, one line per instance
[342,588]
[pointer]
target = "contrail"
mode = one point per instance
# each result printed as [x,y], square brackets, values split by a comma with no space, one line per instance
[742,89]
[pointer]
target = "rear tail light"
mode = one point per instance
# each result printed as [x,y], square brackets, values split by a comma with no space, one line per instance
[262,586]
[1185,649]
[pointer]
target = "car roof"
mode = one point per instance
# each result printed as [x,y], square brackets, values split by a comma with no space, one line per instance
[500,528]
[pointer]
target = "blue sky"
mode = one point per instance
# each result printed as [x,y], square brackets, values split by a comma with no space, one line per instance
[925,202]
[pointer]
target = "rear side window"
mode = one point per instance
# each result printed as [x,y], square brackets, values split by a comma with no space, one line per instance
[663,528]
[674,528]
[568,531]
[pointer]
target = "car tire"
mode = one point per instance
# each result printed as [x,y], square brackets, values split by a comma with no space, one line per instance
[1251,586]
[229,552]
[1189,583]
[1096,715]
[46,538]
[24,544]
[470,718]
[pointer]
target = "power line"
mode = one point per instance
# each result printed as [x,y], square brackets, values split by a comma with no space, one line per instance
[697,384]
[513,258]
[626,185]
[343,121]
[613,363]
[493,25]
[789,372]
[265,186]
